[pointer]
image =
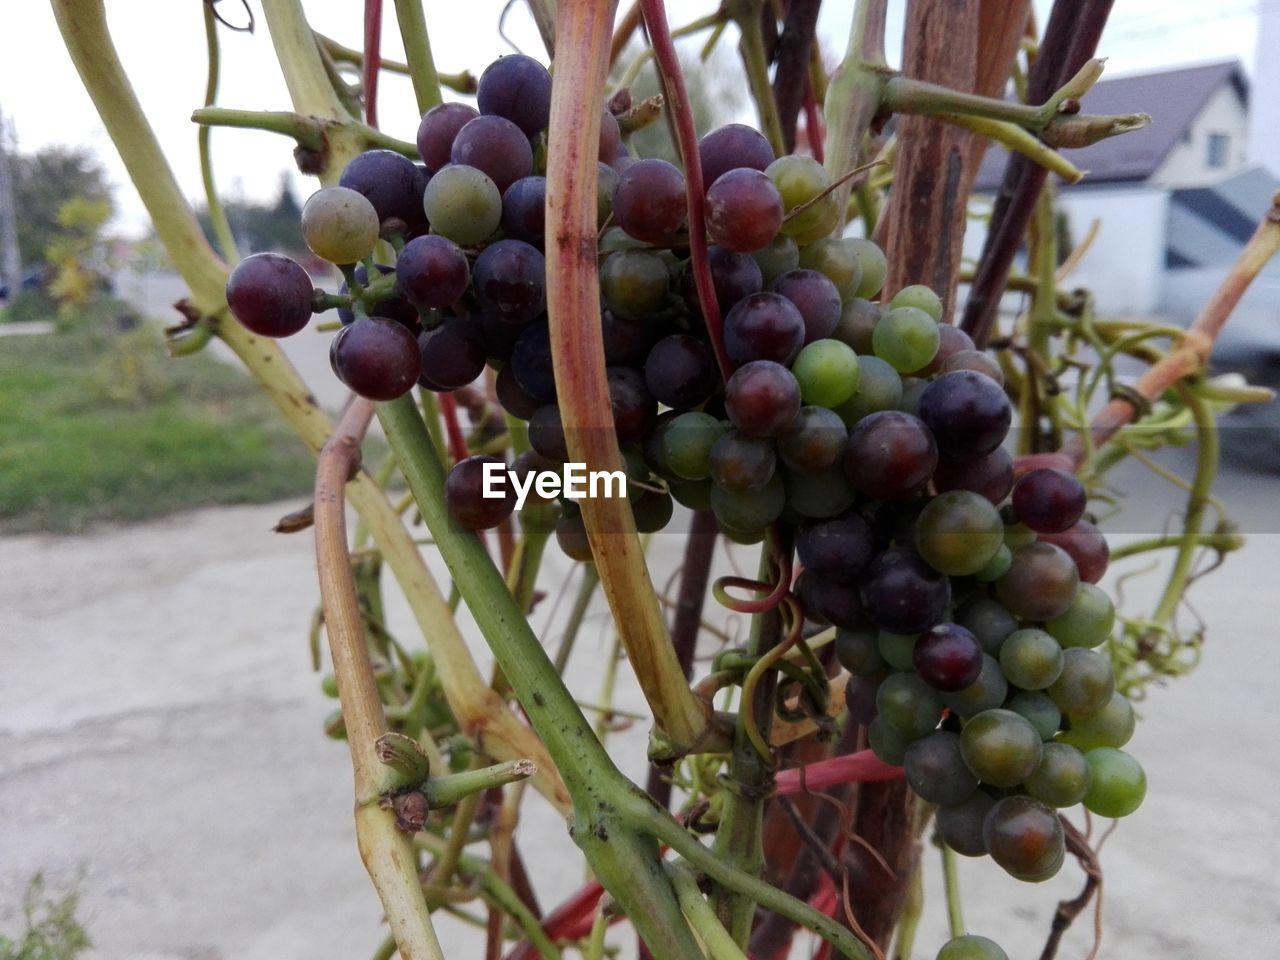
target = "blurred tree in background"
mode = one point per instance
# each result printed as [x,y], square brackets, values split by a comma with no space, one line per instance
[260,227]
[60,193]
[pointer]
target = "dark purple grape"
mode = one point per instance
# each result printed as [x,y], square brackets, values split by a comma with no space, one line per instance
[1024,836]
[837,551]
[729,147]
[389,181]
[960,824]
[1087,546]
[990,476]
[437,130]
[749,511]
[466,492]
[764,326]
[653,510]
[818,494]
[453,354]
[740,462]
[518,88]
[825,601]
[392,307]
[948,657]
[733,276]
[378,359]
[626,342]
[432,272]
[968,413]
[761,398]
[1049,500]
[650,202]
[936,770]
[510,281]
[499,337]
[890,455]
[817,299]
[744,210]
[546,434]
[270,294]
[610,137]
[1040,584]
[858,320]
[904,594]
[513,397]
[524,210]
[531,363]
[634,409]
[681,371]
[814,440]
[495,146]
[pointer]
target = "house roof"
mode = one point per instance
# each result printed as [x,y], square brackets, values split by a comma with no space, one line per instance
[1174,98]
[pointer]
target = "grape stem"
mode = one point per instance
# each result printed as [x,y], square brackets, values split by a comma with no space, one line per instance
[464,82]
[951,882]
[417,51]
[372,65]
[311,133]
[748,14]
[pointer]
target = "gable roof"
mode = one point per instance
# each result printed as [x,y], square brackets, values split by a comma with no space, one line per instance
[1174,98]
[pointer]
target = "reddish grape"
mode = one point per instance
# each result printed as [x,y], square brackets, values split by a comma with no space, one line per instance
[1049,500]
[634,409]
[761,398]
[991,475]
[465,492]
[432,272]
[378,359]
[731,146]
[817,299]
[1025,837]
[681,371]
[814,440]
[1087,546]
[437,130]
[968,413]
[389,181]
[546,434]
[764,326]
[510,281]
[740,462]
[733,276]
[951,340]
[531,363]
[610,137]
[627,341]
[518,88]
[649,202]
[744,210]
[1040,584]
[270,294]
[890,455]
[496,147]
[825,601]
[512,396]
[948,657]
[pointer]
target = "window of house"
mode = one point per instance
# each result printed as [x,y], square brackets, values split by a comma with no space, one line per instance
[1217,156]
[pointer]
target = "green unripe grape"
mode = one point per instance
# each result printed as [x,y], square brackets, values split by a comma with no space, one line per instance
[859,652]
[1119,783]
[1063,777]
[985,693]
[921,297]
[879,388]
[1031,659]
[971,947]
[818,494]
[634,283]
[776,258]
[897,649]
[800,180]
[909,704]
[1018,535]
[339,225]
[959,532]
[987,620]
[694,494]
[1088,621]
[906,338]
[329,685]
[615,239]
[1112,726]
[745,538]
[998,565]
[463,204]
[749,510]
[886,742]
[875,266]
[838,261]
[1039,710]
[1085,684]
[827,371]
[687,443]
[1001,747]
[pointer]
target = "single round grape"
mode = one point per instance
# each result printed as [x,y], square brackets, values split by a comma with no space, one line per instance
[653,510]
[744,210]
[749,510]
[990,475]
[453,354]
[510,281]
[815,296]
[500,338]
[906,338]
[959,532]
[468,489]
[1118,785]
[633,406]
[634,283]
[909,705]
[763,326]
[1087,546]
[339,225]
[1039,710]
[987,620]
[937,771]
[802,180]
[626,342]
[270,294]
[1088,621]
[512,396]
[857,652]
[874,266]
[985,693]
[1024,836]
[997,566]
[693,494]
[650,202]
[904,594]
[971,947]
[974,360]
[967,412]
[1063,777]
[437,130]
[732,146]
[1112,726]
[814,440]
[951,340]
[432,272]
[610,137]
[1040,584]
[1049,500]
[897,649]
[776,258]
[518,88]
[524,210]
[546,434]
[687,442]
[378,359]
[531,363]
[463,204]
[921,297]
[1086,683]
[388,181]
[960,824]
[818,494]
[1031,659]
[837,259]
[886,742]
[890,455]
[827,371]
[739,462]
[1015,534]
[833,603]
[681,371]
[761,398]
[571,535]
[857,324]
[836,550]
[879,388]
[947,657]
[733,275]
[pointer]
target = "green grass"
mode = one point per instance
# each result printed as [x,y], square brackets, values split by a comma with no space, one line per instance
[99,425]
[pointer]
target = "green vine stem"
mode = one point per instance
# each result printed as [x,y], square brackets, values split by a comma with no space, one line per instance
[417,51]
[951,882]
[310,133]
[715,938]
[464,82]
[1017,139]
[746,14]
[217,213]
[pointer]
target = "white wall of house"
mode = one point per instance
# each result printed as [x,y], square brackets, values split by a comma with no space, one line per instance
[1188,164]
[1124,267]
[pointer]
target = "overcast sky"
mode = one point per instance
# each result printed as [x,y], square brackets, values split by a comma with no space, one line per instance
[162,45]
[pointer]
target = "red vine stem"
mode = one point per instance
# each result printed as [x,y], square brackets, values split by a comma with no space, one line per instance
[860,767]
[457,442]
[776,592]
[681,113]
[372,59]
[813,130]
